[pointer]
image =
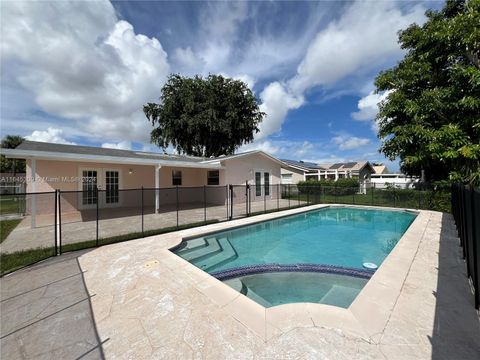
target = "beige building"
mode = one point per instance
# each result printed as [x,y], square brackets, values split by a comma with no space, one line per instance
[83,169]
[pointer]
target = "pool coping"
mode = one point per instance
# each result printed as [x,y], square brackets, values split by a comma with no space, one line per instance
[366,317]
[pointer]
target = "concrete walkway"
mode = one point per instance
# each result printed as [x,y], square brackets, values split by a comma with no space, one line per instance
[128,301]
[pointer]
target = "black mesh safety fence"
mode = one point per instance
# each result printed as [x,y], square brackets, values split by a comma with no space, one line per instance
[466,212]
[62,221]
[28,229]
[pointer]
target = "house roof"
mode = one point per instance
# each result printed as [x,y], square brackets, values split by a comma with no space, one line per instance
[246,153]
[381,169]
[42,150]
[341,166]
[303,165]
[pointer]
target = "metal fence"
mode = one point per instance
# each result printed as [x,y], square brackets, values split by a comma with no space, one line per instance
[466,212]
[56,222]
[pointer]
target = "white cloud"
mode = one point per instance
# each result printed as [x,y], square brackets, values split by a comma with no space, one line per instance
[368,106]
[122,145]
[265,145]
[349,142]
[51,135]
[82,63]
[363,37]
[276,102]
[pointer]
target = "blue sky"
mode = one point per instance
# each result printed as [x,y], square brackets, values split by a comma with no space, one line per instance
[79,72]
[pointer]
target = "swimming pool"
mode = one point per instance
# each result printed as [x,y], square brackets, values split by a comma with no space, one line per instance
[326,248]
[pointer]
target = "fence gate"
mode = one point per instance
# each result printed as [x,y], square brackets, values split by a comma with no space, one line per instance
[239,201]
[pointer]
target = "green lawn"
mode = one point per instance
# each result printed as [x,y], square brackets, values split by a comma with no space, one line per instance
[12,204]
[6,227]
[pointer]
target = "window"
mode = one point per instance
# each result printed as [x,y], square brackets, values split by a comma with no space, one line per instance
[111,187]
[287,178]
[176,177]
[258,184]
[266,183]
[89,187]
[213,177]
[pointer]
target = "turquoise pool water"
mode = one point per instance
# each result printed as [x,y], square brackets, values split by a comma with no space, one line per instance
[337,236]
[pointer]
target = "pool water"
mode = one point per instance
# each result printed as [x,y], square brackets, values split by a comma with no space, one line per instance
[338,236]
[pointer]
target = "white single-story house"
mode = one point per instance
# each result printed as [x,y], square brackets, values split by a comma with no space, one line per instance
[294,171]
[75,168]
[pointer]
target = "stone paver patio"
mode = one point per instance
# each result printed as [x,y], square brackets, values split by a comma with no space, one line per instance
[131,301]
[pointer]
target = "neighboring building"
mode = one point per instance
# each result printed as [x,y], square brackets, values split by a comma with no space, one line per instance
[301,170]
[84,168]
[295,171]
[381,181]
[381,169]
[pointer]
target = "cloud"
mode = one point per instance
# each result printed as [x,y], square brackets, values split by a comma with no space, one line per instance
[276,102]
[283,148]
[51,135]
[122,145]
[368,106]
[82,63]
[349,142]
[363,37]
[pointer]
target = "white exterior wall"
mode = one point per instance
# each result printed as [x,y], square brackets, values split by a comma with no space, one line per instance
[242,169]
[297,175]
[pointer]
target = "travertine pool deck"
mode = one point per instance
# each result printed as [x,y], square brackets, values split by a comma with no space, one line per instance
[137,300]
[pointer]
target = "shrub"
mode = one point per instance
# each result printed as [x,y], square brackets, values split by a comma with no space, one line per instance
[340,187]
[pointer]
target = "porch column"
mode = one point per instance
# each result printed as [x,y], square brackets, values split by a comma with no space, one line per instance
[157,186]
[336,175]
[33,208]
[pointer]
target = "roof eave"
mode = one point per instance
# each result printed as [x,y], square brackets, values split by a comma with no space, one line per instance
[46,155]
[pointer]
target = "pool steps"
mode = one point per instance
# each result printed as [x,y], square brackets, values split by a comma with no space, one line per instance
[208,253]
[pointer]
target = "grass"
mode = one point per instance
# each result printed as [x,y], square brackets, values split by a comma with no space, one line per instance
[10,262]
[12,204]
[6,227]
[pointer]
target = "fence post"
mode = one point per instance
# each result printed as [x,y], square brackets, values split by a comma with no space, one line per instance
[278,200]
[56,214]
[475,245]
[394,197]
[59,223]
[264,199]
[373,190]
[226,199]
[204,204]
[177,203]
[335,189]
[246,198]
[98,199]
[143,211]
[230,187]
[288,187]
[308,195]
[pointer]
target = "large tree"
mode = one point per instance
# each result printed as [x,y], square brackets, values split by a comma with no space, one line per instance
[205,117]
[11,165]
[431,116]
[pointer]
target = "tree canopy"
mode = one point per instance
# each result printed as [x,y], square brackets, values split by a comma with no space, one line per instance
[205,117]
[431,116]
[11,165]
